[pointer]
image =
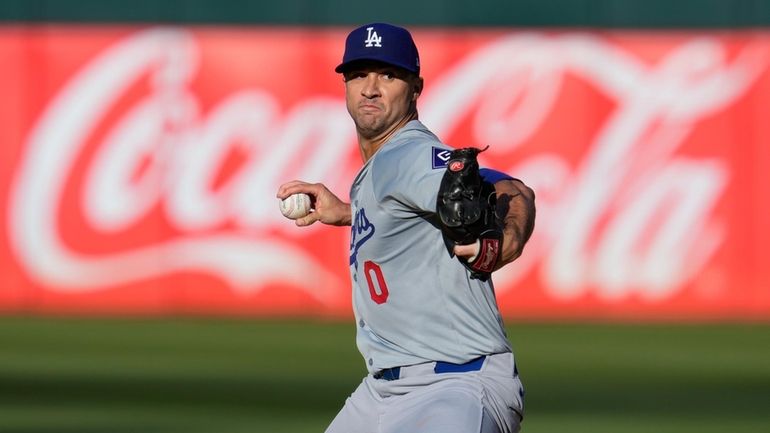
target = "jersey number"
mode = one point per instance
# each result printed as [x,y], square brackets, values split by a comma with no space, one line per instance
[381,295]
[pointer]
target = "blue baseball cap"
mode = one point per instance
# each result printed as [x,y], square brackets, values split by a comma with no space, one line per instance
[383,43]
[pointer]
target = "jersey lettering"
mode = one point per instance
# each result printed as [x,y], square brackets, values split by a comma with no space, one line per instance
[378,291]
[360,232]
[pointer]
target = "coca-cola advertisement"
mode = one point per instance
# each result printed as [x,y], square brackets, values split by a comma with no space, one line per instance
[140,167]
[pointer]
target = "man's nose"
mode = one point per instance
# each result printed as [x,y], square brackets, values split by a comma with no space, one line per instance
[371,88]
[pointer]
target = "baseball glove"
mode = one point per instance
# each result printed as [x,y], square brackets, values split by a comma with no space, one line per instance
[466,207]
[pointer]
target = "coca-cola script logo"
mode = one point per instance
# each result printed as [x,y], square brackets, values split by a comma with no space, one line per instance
[190,148]
[633,216]
[599,222]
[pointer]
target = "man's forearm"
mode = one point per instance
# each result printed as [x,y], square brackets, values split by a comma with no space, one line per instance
[345,218]
[516,209]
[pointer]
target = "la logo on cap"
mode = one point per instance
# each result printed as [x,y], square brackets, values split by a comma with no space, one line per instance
[372,39]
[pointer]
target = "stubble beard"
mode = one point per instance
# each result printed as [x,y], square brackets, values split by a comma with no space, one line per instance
[369,126]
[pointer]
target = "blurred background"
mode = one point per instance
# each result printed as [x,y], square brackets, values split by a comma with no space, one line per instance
[148,282]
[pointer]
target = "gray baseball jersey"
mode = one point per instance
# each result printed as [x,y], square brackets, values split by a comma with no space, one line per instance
[413,302]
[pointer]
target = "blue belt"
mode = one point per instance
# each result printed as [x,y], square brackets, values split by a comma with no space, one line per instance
[394,373]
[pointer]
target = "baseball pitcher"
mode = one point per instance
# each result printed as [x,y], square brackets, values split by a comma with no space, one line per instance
[428,229]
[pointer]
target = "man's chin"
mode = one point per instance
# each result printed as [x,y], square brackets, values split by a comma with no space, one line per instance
[369,129]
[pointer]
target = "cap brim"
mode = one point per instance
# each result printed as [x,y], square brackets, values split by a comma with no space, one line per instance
[346,65]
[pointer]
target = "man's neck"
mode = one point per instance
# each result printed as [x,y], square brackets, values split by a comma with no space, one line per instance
[370,146]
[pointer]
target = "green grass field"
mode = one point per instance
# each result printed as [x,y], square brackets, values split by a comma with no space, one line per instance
[209,375]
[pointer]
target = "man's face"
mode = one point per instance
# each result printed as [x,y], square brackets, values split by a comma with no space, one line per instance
[378,96]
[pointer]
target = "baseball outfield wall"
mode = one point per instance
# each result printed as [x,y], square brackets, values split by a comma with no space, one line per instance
[139,165]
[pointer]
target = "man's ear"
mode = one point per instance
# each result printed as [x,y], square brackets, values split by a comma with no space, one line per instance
[417,88]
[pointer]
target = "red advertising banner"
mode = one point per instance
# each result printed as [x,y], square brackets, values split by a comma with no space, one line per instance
[140,165]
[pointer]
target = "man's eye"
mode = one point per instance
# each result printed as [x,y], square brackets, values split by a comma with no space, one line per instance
[388,75]
[354,75]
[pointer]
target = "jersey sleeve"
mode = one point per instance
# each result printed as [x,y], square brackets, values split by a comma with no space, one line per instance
[409,176]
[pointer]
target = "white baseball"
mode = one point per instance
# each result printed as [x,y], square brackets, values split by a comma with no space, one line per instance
[295,206]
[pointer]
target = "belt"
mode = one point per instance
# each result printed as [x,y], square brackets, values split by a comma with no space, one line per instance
[394,373]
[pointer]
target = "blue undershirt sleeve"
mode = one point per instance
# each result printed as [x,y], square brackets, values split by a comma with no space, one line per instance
[493,176]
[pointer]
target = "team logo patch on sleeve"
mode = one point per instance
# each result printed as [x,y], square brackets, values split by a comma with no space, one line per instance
[440,157]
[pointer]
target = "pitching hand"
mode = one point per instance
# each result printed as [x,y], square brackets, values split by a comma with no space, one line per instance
[326,207]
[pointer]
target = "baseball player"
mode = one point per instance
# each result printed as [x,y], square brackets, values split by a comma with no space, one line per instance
[428,227]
